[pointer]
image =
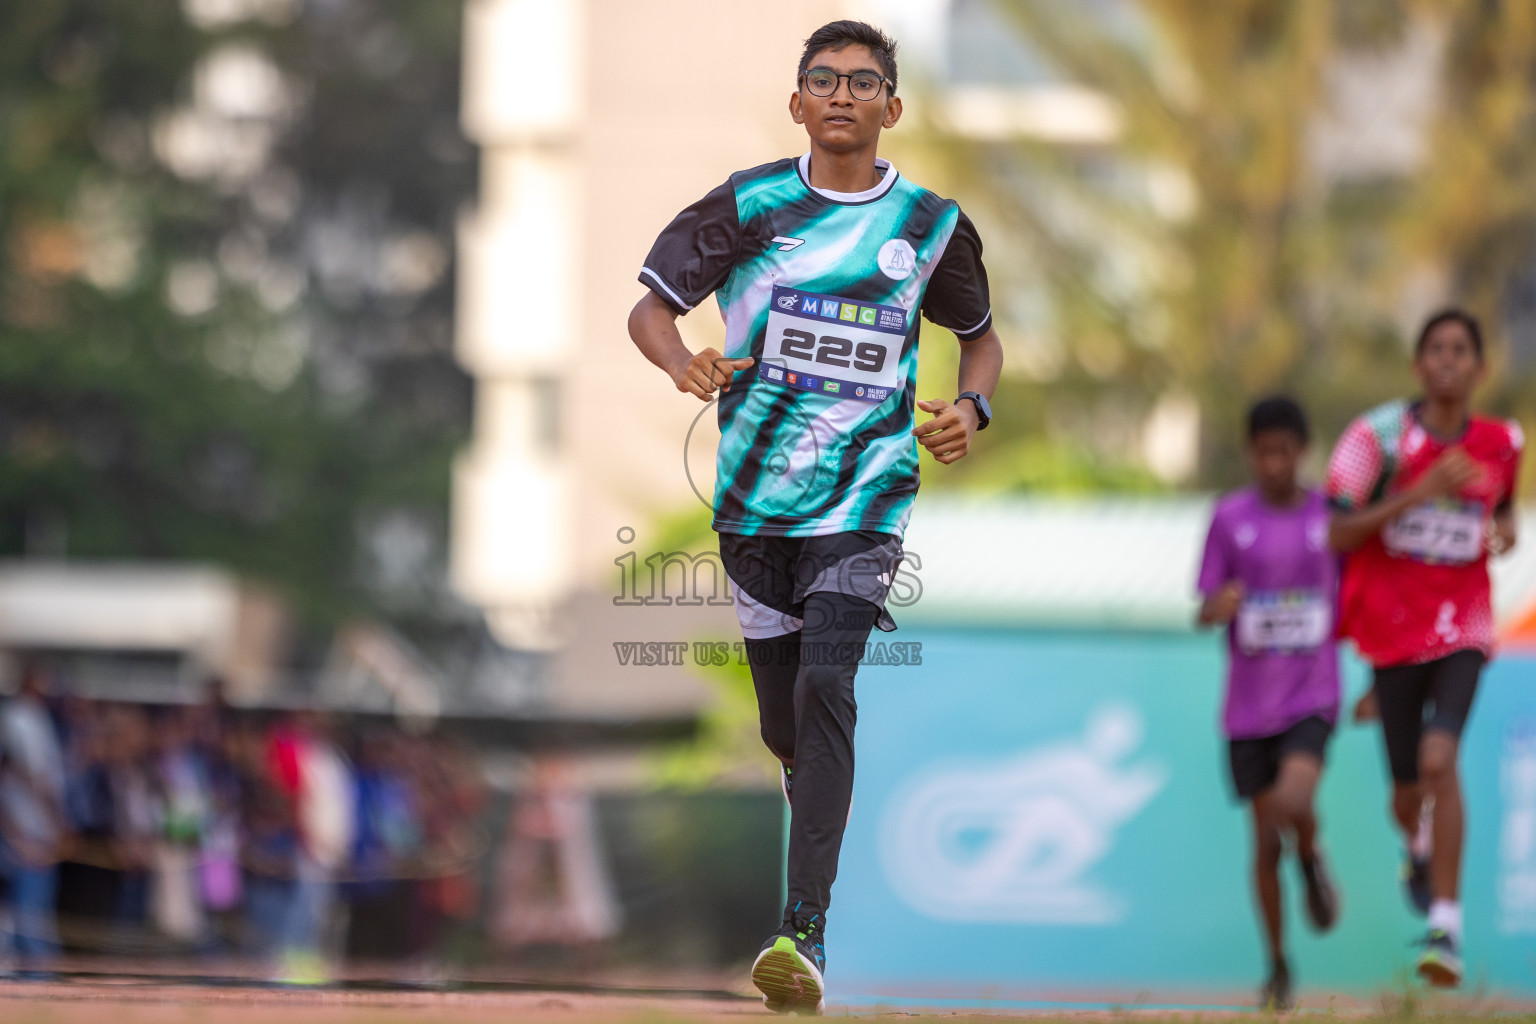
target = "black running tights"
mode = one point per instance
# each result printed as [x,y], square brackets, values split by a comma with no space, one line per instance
[805,703]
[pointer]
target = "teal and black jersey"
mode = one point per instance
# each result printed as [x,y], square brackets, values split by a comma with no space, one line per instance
[823,289]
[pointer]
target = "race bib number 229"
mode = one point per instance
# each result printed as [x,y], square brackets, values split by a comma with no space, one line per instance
[833,346]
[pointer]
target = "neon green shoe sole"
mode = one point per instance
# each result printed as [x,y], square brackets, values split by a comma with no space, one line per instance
[788,981]
[1439,971]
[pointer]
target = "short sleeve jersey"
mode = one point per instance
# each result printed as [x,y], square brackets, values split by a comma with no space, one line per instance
[1419,590]
[1283,663]
[823,290]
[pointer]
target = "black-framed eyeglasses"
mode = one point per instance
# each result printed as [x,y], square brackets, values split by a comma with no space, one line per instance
[862,85]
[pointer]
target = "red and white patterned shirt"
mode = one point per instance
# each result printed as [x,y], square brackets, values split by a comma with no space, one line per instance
[1419,590]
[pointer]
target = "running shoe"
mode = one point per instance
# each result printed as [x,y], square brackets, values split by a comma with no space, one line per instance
[789,969]
[1415,876]
[1322,897]
[1440,963]
[1275,996]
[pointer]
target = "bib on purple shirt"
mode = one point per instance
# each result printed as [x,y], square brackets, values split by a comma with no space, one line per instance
[1283,661]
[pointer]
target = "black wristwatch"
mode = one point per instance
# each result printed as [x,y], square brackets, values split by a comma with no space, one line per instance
[983,408]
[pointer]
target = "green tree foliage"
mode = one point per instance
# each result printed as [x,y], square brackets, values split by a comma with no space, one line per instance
[225,301]
[728,747]
[1258,222]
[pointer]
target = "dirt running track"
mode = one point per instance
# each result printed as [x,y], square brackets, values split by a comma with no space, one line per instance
[107,1003]
[151,1001]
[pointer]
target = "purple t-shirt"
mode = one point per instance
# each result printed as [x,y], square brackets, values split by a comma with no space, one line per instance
[1284,664]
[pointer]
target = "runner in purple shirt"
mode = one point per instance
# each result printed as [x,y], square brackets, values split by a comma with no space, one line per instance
[1269,576]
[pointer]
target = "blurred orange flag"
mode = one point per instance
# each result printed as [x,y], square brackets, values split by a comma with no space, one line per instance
[1521,631]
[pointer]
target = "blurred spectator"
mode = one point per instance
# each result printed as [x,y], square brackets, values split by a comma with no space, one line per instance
[386,851]
[553,883]
[270,840]
[455,797]
[136,810]
[389,828]
[32,817]
[88,879]
[201,821]
[87,791]
[312,770]
[186,797]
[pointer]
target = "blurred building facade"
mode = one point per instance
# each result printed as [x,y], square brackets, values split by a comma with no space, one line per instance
[145,631]
[597,121]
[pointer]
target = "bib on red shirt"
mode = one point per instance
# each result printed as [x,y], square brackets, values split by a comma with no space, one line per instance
[1419,589]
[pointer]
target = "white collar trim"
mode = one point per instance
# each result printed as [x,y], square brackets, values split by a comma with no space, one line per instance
[887,182]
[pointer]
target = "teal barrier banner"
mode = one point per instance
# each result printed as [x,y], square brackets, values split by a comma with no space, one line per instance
[1040,813]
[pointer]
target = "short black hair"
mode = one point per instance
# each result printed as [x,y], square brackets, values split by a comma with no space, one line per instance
[1456,315]
[835,35]
[1278,412]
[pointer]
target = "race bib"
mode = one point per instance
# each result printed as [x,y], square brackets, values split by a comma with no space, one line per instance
[833,346]
[1284,622]
[1437,532]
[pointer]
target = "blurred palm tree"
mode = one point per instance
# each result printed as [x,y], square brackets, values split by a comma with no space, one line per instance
[225,290]
[1285,188]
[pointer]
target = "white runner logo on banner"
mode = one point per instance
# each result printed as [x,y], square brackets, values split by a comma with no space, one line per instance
[1014,841]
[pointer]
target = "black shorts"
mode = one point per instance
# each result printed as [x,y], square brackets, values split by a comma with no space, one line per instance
[1414,699]
[1256,762]
[771,576]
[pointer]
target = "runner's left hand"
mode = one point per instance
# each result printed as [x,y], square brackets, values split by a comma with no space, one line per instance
[1501,535]
[948,435]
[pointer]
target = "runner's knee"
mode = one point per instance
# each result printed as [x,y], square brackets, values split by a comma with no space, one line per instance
[1437,761]
[1267,846]
[1293,806]
[774,666]
[1293,792]
[827,683]
[779,738]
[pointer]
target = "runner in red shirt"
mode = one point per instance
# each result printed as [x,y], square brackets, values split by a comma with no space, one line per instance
[1423,492]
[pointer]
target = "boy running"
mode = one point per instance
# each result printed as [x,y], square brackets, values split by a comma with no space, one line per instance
[1422,492]
[821,265]
[1269,577]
